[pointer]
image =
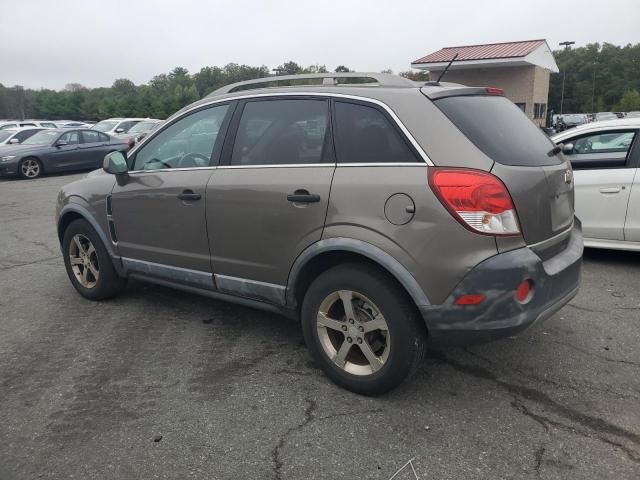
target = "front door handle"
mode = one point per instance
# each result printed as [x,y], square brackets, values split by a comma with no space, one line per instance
[303,196]
[189,196]
[610,190]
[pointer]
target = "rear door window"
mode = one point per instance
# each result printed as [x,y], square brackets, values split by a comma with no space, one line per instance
[500,129]
[364,134]
[72,138]
[281,132]
[91,136]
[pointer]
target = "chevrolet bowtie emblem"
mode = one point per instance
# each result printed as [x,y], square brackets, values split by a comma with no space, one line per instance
[568,176]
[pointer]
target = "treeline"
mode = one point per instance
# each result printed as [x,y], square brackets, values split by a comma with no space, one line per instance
[599,78]
[162,96]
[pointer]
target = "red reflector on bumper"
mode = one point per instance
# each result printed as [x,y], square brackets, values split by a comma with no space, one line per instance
[523,292]
[470,299]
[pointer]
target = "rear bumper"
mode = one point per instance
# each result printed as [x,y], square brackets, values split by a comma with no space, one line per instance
[555,280]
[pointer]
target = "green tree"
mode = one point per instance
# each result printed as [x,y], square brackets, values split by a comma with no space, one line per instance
[630,101]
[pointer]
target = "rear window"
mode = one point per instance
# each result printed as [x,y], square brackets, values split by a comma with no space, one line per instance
[500,129]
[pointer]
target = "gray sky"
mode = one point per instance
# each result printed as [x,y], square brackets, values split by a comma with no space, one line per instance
[47,43]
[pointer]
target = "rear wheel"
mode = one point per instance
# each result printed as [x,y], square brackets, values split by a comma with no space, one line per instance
[30,168]
[88,263]
[362,329]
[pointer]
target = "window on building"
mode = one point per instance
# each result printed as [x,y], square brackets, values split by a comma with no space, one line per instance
[539,110]
[522,106]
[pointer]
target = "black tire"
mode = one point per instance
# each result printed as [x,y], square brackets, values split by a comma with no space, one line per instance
[29,160]
[406,332]
[108,283]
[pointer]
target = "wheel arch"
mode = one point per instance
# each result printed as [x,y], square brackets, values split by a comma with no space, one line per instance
[333,251]
[72,212]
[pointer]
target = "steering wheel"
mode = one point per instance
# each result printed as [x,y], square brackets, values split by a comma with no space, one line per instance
[155,160]
[191,160]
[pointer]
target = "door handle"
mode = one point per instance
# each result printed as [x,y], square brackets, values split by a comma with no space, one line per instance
[303,196]
[189,196]
[610,190]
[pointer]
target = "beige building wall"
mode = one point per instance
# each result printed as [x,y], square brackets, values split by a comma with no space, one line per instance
[526,84]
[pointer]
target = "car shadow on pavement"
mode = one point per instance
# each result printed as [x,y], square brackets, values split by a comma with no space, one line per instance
[611,257]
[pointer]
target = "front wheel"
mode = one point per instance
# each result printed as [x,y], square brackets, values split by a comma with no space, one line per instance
[30,168]
[362,329]
[88,263]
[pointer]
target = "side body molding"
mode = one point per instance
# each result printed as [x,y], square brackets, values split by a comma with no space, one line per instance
[365,249]
[86,215]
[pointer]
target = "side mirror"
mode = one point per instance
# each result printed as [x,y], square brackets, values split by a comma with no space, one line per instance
[61,143]
[567,148]
[115,163]
[14,141]
[119,130]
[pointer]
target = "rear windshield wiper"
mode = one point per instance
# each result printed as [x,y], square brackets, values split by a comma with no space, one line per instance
[555,150]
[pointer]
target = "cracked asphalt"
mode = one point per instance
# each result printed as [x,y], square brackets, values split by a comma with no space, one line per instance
[163,384]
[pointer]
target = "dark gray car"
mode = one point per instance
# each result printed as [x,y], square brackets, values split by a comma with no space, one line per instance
[386,217]
[58,150]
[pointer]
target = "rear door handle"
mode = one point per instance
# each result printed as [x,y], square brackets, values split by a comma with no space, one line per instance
[610,190]
[303,196]
[189,196]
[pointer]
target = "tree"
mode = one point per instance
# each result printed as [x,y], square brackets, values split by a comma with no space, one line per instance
[630,101]
[342,69]
[596,77]
[289,68]
[419,76]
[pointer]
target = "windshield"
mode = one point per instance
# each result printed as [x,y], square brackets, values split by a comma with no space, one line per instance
[5,134]
[143,127]
[606,116]
[45,137]
[104,126]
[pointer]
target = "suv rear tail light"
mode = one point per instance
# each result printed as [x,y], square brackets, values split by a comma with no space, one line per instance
[477,199]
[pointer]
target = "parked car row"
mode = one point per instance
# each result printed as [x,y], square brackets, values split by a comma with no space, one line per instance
[57,150]
[561,122]
[29,151]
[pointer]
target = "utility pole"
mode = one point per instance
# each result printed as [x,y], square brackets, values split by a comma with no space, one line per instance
[593,86]
[566,45]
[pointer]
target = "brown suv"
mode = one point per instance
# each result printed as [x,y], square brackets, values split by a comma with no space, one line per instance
[386,215]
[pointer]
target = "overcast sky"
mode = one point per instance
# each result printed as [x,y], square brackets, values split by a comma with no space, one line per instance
[47,43]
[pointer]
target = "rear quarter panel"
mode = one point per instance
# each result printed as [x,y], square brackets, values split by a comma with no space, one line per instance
[432,246]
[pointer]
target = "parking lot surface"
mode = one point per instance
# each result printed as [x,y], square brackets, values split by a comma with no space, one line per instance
[162,384]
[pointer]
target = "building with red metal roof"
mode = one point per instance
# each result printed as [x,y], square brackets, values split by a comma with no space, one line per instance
[521,69]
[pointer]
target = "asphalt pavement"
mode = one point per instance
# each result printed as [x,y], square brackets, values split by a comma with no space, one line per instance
[162,384]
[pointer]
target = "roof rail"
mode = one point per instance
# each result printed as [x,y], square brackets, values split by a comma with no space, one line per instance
[328,79]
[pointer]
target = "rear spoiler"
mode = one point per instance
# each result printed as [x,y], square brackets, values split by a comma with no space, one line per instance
[436,93]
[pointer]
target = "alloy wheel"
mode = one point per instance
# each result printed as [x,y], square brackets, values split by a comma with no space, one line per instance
[30,168]
[84,261]
[353,332]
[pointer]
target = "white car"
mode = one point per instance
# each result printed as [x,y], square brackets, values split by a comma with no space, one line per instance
[12,137]
[605,157]
[15,124]
[114,126]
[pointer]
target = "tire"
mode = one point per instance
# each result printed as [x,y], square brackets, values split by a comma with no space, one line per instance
[30,168]
[373,294]
[91,272]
